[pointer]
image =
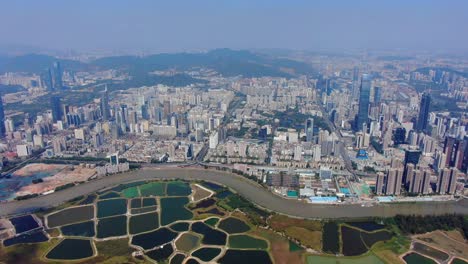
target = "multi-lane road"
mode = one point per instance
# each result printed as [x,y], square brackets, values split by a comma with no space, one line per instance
[250,190]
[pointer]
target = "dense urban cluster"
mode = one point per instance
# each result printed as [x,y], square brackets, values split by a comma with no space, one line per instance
[380,129]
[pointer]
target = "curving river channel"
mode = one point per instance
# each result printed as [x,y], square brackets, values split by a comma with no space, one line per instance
[248,189]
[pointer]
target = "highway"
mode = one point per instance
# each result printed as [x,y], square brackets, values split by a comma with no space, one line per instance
[250,190]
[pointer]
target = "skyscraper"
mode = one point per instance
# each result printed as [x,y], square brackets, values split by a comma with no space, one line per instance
[2,118]
[105,105]
[56,108]
[364,95]
[355,91]
[46,80]
[423,112]
[58,83]
[309,129]
[377,95]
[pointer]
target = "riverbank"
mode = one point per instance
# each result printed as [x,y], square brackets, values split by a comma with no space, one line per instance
[251,191]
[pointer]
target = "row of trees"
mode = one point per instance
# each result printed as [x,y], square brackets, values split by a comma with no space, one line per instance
[415,224]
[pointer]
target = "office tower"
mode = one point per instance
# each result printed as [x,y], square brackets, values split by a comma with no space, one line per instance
[399,135]
[2,118]
[166,108]
[461,161]
[377,95]
[46,80]
[309,129]
[364,94]
[379,183]
[105,111]
[56,108]
[355,88]
[423,112]
[58,84]
[456,151]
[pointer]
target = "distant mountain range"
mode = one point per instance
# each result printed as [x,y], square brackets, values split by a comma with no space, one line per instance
[225,61]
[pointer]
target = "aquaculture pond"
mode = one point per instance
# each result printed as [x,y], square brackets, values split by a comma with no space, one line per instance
[70,216]
[204,203]
[371,238]
[143,222]
[85,229]
[247,242]
[89,199]
[367,225]
[415,258]
[153,239]
[177,188]
[173,209]
[148,202]
[153,189]
[32,237]
[143,210]
[212,186]
[111,207]
[234,256]
[223,194]
[177,259]
[430,251]
[112,226]
[161,253]
[180,226]
[210,235]
[71,249]
[233,225]
[206,254]
[331,238]
[187,242]
[24,223]
[458,261]
[109,195]
[352,242]
[212,221]
[131,192]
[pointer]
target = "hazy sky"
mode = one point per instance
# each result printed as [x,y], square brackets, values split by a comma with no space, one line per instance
[174,25]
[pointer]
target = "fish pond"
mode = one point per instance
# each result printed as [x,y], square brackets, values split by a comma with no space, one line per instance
[70,216]
[331,238]
[173,209]
[415,258]
[143,223]
[210,235]
[111,207]
[206,254]
[233,225]
[154,239]
[247,242]
[85,229]
[234,256]
[112,226]
[71,249]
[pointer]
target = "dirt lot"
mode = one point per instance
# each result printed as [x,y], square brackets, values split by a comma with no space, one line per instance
[450,242]
[66,174]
